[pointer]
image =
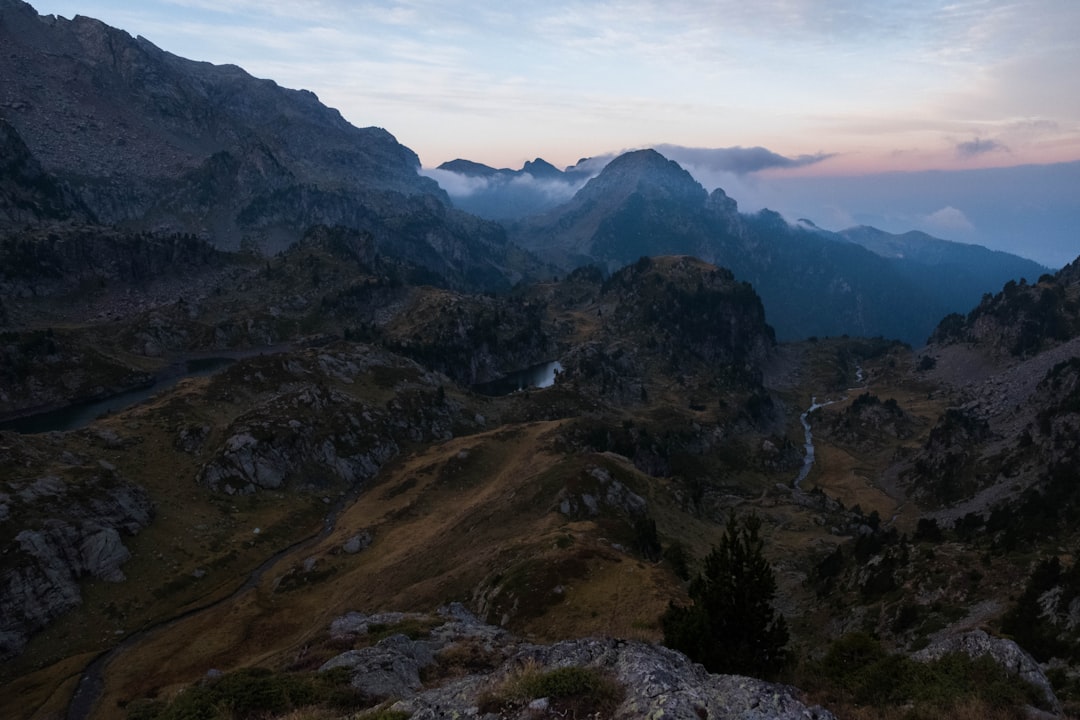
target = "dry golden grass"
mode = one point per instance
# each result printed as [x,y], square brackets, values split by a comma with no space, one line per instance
[444,520]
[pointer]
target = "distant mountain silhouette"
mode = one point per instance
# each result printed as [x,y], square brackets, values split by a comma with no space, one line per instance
[506,194]
[812,282]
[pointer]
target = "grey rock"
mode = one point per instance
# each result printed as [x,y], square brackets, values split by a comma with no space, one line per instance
[307,430]
[353,623]
[103,553]
[65,536]
[1006,653]
[389,669]
[659,683]
[358,542]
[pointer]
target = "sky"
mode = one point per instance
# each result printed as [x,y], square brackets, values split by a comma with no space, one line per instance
[836,88]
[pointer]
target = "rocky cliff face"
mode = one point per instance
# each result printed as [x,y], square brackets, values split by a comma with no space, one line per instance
[27,193]
[654,681]
[1021,320]
[59,531]
[110,127]
[94,103]
[305,434]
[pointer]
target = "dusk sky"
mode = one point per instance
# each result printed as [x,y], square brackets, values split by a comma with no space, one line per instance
[842,86]
[877,85]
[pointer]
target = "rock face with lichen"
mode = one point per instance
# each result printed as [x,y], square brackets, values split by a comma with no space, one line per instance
[656,682]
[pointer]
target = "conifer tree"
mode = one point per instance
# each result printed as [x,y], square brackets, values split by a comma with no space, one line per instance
[732,626]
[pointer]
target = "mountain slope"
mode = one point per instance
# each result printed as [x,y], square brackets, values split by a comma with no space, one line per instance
[128,134]
[812,282]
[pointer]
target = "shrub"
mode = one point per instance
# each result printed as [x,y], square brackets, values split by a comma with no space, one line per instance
[572,691]
[858,671]
[252,693]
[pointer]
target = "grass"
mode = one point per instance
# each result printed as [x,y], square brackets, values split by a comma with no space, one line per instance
[254,694]
[571,691]
[857,674]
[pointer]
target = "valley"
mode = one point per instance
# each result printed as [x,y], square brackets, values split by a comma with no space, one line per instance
[329,438]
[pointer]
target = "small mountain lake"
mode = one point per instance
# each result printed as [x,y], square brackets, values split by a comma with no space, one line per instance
[537,376]
[73,417]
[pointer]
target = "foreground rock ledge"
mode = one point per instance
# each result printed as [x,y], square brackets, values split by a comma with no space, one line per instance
[660,684]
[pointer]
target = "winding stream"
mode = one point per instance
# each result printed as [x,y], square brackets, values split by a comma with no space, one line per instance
[808,459]
[92,682]
[804,418]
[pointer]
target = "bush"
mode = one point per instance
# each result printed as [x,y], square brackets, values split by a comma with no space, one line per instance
[572,691]
[252,693]
[858,671]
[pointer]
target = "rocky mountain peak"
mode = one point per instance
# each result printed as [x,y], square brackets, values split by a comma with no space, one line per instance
[721,203]
[126,124]
[648,173]
[469,168]
[540,168]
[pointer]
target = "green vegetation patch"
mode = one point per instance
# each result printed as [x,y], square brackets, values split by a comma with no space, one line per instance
[571,691]
[858,671]
[254,693]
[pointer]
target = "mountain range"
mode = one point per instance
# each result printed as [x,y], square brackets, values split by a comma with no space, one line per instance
[812,281]
[136,136]
[102,127]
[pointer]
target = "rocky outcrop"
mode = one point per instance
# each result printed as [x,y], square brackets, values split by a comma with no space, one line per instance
[473,339]
[318,434]
[869,420]
[657,682]
[308,434]
[594,489]
[679,312]
[57,532]
[1006,653]
[1020,321]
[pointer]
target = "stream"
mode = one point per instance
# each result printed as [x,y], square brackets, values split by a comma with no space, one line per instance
[808,459]
[808,435]
[92,682]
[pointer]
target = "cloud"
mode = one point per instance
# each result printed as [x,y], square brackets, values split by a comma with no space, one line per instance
[948,220]
[737,160]
[547,190]
[978,146]
[456,184]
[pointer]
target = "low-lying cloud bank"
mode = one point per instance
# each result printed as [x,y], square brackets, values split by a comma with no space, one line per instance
[511,194]
[1029,210]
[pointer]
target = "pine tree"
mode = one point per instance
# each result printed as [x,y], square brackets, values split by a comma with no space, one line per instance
[731,626]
